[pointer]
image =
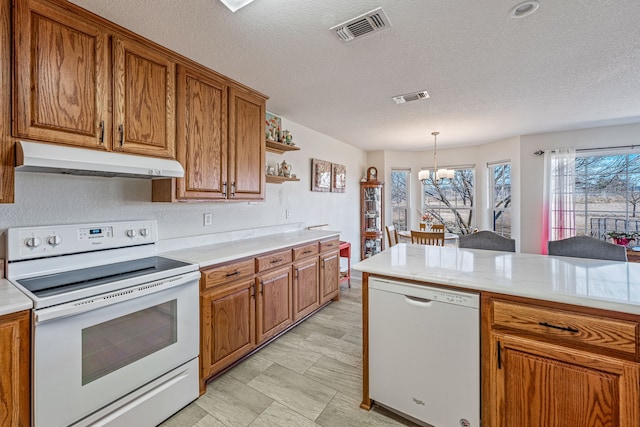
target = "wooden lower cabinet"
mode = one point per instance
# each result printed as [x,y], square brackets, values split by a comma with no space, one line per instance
[329,276]
[274,303]
[247,302]
[306,296]
[228,324]
[541,384]
[552,365]
[15,369]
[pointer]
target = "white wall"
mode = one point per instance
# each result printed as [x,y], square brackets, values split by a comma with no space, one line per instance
[44,199]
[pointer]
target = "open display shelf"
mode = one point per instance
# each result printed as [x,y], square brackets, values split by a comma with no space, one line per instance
[279,147]
[274,179]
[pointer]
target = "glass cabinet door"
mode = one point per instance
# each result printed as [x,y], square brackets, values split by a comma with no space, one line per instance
[373,209]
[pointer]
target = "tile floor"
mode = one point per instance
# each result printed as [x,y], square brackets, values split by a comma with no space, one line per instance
[310,376]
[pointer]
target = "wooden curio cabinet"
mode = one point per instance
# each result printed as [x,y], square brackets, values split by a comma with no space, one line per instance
[371,218]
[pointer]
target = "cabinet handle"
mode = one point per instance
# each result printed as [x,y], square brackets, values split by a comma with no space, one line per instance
[253,291]
[499,356]
[224,189]
[121,132]
[235,273]
[261,287]
[233,189]
[101,140]
[562,328]
[275,261]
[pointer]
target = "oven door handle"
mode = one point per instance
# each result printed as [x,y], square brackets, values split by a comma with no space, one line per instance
[110,298]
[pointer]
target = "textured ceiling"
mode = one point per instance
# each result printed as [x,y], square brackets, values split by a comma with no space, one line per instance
[572,64]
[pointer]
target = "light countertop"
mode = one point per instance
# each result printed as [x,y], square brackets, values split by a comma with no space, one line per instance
[11,299]
[220,252]
[196,250]
[601,284]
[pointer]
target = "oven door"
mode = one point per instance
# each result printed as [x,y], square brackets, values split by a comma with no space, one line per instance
[89,353]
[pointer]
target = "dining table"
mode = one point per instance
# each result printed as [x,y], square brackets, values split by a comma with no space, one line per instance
[449,238]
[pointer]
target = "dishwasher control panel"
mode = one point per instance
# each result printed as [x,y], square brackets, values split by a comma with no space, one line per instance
[426,293]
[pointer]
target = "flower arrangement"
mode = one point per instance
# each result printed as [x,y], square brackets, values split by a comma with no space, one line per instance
[426,217]
[621,237]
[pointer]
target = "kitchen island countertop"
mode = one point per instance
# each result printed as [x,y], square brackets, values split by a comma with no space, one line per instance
[608,285]
[11,299]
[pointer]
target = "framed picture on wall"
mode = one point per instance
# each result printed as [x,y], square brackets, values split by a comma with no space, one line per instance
[273,127]
[338,178]
[320,175]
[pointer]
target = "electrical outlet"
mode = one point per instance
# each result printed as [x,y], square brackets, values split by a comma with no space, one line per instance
[288,213]
[208,219]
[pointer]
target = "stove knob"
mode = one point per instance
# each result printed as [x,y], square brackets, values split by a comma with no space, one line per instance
[131,233]
[54,240]
[33,242]
[144,232]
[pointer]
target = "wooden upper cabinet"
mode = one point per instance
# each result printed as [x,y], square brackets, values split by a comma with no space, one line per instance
[61,86]
[68,69]
[6,142]
[246,145]
[143,100]
[202,135]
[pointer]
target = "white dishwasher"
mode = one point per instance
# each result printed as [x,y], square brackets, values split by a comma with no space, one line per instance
[424,352]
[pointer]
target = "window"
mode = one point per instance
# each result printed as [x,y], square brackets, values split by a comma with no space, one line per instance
[400,198]
[500,176]
[450,201]
[607,194]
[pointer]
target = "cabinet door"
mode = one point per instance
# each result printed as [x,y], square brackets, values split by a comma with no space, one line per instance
[228,325]
[246,145]
[143,100]
[201,135]
[275,312]
[6,143]
[306,297]
[329,276]
[15,369]
[539,384]
[61,69]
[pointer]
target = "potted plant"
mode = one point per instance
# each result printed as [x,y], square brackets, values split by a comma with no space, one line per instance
[622,238]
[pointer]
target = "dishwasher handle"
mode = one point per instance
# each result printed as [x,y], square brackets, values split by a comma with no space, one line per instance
[418,301]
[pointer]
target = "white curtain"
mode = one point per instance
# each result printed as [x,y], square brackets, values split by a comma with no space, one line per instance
[560,215]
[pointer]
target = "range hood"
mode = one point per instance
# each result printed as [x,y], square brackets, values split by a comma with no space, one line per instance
[52,158]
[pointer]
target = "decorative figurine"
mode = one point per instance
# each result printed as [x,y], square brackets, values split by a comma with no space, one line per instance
[285,169]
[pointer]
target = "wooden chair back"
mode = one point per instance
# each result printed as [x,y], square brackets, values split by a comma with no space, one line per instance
[427,238]
[438,227]
[423,226]
[392,235]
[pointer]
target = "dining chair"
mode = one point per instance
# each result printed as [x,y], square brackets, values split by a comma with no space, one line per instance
[423,226]
[427,238]
[587,247]
[438,227]
[487,240]
[392,235]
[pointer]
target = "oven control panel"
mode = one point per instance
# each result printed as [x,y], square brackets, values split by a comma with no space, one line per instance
[33,242]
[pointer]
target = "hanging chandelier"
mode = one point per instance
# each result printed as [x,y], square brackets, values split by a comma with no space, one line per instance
[438,174]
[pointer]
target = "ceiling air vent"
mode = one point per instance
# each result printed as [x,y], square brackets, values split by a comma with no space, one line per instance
[408,97]
[361,25]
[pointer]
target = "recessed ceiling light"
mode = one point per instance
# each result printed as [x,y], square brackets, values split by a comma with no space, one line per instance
[234,5]
[524,9]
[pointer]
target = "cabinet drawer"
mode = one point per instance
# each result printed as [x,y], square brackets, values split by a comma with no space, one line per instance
[305,251]
[328,245]
[277,259]
[566,326]
[225,273]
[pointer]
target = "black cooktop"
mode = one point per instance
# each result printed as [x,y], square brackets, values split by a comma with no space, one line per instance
[60,283]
